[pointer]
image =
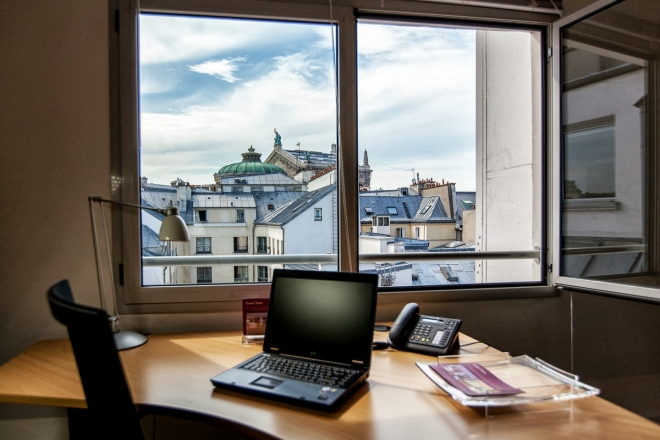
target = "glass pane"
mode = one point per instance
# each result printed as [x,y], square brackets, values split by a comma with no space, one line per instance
[238,129]
[450,132]
[608,123]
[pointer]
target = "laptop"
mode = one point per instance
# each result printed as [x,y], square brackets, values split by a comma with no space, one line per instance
[318,340]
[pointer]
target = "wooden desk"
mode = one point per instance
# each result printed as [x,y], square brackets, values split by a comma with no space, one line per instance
[398,401]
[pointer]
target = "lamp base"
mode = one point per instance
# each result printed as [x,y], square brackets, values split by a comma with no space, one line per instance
[127,339]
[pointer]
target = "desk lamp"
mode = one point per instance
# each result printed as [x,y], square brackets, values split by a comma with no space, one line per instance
[173,228]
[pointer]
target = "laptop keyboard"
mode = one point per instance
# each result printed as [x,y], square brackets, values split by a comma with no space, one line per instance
[305,371]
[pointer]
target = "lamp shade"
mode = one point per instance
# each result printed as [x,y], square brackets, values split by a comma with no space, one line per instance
[173,227]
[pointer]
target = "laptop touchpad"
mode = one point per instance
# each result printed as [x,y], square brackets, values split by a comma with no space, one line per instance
[267,382]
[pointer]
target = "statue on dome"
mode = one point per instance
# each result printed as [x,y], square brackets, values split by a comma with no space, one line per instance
[278,138]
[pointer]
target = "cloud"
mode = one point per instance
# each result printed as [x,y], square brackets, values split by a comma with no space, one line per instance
[221,69]
[416,97]
[417,103]
[174,39]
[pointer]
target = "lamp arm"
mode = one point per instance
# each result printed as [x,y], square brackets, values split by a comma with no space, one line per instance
[99,199]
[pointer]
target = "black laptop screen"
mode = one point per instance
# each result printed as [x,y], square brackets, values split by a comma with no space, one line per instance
[322,315]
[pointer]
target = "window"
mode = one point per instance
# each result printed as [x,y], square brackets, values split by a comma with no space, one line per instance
[196,98]
[241,274]
[317,214]
[416,232]
[589,159]
[609,124]
[203,245]
[262,245]
[187,90]
[204,275]
[487,96]
[262,274]
[448,273]
[240,244]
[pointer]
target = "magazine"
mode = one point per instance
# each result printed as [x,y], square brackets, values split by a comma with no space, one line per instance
[473,379]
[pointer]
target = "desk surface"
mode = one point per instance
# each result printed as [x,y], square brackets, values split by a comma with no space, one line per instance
[398,401]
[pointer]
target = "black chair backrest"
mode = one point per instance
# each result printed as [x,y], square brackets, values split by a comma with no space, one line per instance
[108,398]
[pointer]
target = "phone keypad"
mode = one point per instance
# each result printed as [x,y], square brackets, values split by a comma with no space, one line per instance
[433,334]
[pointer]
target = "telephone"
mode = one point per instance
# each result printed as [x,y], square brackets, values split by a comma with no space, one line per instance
[423,334]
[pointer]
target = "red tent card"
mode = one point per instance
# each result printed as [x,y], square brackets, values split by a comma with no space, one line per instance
[255,311]
[474,380]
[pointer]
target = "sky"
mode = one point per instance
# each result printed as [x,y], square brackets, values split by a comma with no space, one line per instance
[212,87]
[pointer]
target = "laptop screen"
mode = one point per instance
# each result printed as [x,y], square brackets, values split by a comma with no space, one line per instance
[322,315]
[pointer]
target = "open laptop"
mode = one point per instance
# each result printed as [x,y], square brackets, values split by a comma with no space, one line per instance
[318,340]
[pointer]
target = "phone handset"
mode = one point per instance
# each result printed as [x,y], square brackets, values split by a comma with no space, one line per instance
[403,322]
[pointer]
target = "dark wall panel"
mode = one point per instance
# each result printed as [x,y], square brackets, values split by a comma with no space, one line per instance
[616,347]
[539,327]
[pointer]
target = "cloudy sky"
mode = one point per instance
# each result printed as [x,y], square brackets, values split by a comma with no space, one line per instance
[212,87]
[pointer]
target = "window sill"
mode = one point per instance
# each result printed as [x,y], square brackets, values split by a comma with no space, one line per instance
[591,205]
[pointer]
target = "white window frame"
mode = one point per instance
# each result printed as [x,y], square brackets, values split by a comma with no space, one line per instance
[133,297]
[557,197]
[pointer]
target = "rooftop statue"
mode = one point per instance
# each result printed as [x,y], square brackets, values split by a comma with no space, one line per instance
[278,138]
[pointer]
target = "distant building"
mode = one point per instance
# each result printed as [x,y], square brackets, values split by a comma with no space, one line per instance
[303,165]
[279,207]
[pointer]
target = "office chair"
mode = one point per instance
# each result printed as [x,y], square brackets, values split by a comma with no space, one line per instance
[111,412]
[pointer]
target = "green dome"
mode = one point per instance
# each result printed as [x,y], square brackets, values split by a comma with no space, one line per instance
[251,165]
[246,168]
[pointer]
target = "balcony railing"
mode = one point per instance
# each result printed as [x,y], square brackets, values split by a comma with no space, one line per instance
[213,260]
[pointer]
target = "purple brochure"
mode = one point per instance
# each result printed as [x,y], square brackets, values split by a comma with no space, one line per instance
[474,379]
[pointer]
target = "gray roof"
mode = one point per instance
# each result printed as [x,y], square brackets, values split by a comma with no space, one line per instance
[158,196]
[151,246]
[428,272]
[222,200]
[276,198]
[313,157]
[260,179]
[409,208]
[287,212]
[465,200]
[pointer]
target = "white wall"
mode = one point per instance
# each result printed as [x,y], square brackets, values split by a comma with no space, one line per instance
[508,148]
[54,153]
[618,100]
[303,235]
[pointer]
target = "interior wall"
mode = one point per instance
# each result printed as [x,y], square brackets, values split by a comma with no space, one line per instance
[54,153]
[615,348]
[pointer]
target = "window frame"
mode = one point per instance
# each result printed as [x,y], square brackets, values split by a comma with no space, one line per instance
[203,245]
[262,245]
[132,296]
[598,286]
[241,245]
[210,278]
